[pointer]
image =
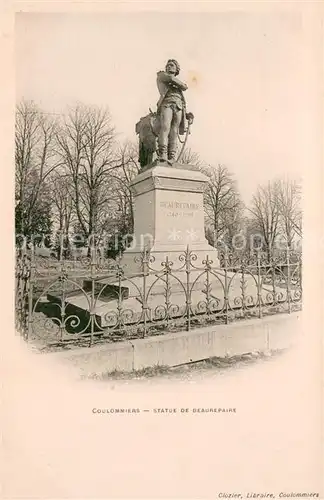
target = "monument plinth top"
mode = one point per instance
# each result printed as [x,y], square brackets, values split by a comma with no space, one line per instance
[178,177]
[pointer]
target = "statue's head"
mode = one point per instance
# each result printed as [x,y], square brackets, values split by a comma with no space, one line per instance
[172,66]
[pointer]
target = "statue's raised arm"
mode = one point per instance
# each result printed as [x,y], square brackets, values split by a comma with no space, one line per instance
[170,80]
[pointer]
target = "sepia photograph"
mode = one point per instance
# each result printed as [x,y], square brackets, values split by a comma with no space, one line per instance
[133,217]
[161,163]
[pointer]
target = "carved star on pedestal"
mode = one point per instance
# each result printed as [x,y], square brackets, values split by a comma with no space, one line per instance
[174,234]
[192,234]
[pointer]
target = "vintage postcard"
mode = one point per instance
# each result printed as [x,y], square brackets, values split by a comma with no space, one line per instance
[163,238]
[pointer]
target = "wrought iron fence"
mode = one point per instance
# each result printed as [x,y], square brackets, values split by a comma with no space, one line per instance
[93,299]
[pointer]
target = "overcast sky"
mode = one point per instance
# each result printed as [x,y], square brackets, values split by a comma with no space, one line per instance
[245,73]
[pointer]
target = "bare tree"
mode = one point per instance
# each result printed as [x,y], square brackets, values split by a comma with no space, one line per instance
[86,145]
[119,220]
[100,171]
[35,159]
[61,198]
[126,172]
[266,215]
[223,205]
[289,206]
[190,157]
[63,214]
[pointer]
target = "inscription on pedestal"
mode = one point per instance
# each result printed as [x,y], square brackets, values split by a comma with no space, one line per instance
[179,209]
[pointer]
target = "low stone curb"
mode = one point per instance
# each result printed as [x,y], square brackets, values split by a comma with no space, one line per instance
[172,349]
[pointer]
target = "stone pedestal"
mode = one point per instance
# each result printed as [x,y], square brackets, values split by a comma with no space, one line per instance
[168,217]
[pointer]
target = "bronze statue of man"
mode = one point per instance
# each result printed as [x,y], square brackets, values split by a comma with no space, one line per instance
[171,110]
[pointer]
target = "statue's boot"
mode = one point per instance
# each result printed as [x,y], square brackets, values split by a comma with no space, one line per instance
[172,152]
[163,153]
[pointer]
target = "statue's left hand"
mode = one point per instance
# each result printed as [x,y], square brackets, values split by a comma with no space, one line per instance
[190,118]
